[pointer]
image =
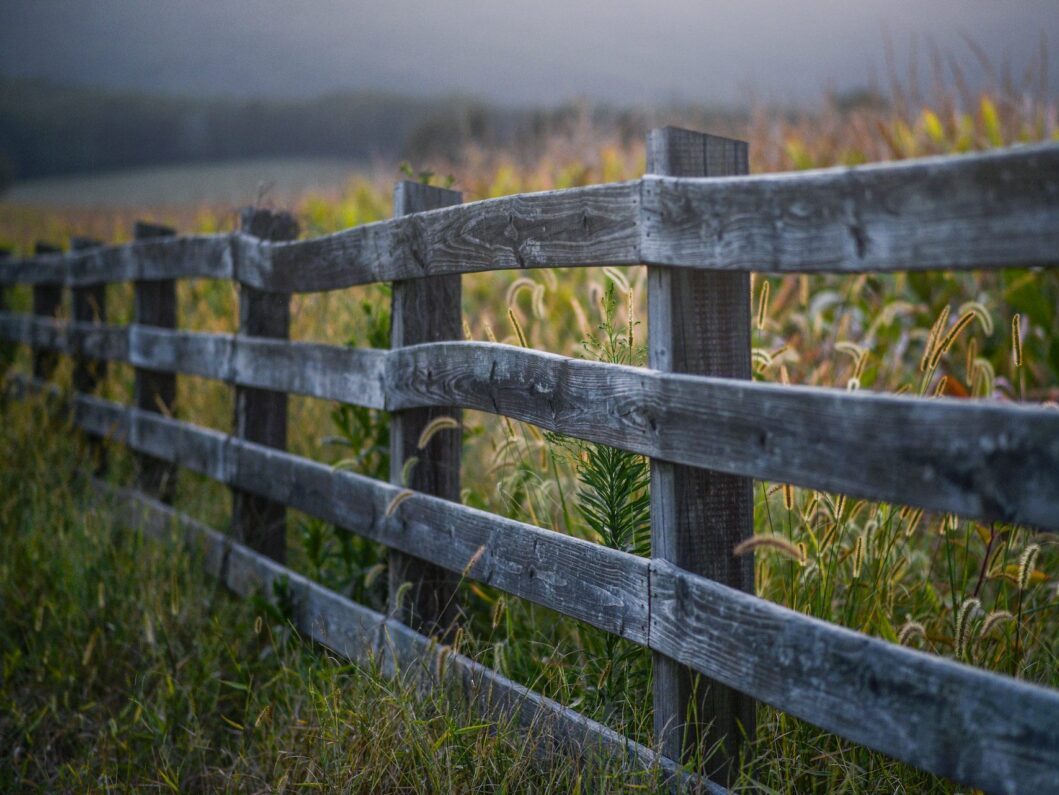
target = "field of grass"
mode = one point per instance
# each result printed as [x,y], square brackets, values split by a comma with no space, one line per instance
[984,594]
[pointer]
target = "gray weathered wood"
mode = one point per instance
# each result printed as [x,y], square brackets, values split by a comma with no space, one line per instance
[261,414]
[360,634]
[154,390]
[581,226]
[699,323]
[586,581]
[975,458]
[978,728]
[89,307]
[7,349]
[988,210]
[423,594]
[47,303]
[194,256]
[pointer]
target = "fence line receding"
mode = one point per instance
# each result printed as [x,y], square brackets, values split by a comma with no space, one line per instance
[707,428]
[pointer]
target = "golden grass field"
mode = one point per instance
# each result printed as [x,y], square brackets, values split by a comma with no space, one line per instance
[984,594]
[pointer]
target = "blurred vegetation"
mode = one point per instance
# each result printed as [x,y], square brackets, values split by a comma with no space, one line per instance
[985,594]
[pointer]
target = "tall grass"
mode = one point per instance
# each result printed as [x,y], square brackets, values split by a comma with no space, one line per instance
[984,594]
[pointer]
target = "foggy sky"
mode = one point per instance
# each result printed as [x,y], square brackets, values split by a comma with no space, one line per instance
[513,52]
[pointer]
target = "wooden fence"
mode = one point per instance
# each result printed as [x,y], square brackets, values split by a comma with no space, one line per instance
[701,225]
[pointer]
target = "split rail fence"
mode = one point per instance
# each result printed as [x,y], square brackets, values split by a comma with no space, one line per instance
[700,224]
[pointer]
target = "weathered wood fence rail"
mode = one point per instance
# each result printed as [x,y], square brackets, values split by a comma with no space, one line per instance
[694,410]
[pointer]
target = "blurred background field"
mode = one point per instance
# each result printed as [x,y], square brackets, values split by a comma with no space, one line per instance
[984,594]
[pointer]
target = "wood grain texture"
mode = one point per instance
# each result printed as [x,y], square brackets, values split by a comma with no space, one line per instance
[600,586]
[699,323]
[988,210]
[576,227]
[978,728]
[192,256]
[975,458]
[154,390]
[423,595]
[362,635]
[261,414]
[47,303]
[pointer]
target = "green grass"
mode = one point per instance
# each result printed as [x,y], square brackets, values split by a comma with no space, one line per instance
[946,585]
[125,668]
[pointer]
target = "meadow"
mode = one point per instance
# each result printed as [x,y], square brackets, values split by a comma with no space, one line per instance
[209,693]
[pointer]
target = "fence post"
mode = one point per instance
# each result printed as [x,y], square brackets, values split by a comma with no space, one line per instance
[155,305]
[89,306]
[424,310]
[261,414]
[7,349]
[699,323]
[47,301]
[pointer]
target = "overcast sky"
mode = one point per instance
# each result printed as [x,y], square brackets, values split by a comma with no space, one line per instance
[512,51]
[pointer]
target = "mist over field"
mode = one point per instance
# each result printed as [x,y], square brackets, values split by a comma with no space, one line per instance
[515,53]
[114,85]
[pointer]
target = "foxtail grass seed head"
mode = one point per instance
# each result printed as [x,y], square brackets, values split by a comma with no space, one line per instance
[803,289]
[498,611]
[467,335]
[372,574]
[858,556]
[993,620]
[618,278]
[1016,339]
[538,302]
[981,314]
[913,521]
[942,347]
[434,427]
[972,354]
[932,338]
[788,496]
[771,542]
[763,304]
[939,389]
[406,469]
[853,384]
[1027,564]
[516,287]
[968,609]
[473,559]
[398,498]
[910,630]
[489,335]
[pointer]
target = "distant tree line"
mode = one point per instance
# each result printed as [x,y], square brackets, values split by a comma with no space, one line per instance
[48,129]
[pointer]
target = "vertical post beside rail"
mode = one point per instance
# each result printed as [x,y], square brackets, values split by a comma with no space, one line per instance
[89,307]
[47,301]
[7,349]
[699,323]
[155,305]
[424,310]
[261,414]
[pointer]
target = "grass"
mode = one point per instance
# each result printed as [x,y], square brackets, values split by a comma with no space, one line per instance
[982,593]
[125,668]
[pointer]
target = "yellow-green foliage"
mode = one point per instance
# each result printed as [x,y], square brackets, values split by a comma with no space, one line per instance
[885,570]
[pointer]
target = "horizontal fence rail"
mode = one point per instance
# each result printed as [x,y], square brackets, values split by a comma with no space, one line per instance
[361,634]
[945,717]
[994,210]
[973,458]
